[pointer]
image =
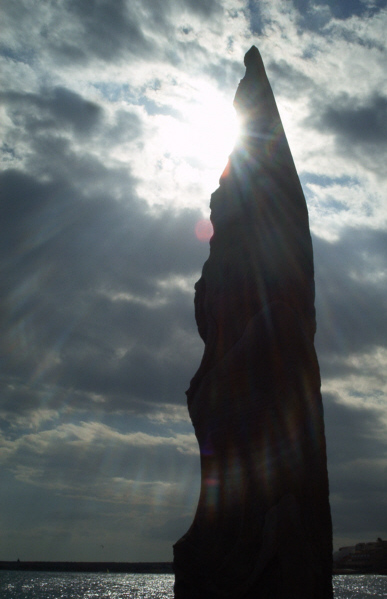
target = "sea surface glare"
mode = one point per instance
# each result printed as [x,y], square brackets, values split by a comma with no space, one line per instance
[51,585]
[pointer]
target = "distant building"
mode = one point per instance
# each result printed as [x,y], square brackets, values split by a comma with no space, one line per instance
[343,552]
[363,557]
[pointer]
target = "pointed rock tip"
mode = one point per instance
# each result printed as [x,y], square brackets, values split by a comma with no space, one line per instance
[253,60]
[252,56]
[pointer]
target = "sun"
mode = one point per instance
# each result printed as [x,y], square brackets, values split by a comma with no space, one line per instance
[204,136]
[213,127]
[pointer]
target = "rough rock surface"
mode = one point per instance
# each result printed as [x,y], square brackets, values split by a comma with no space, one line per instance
[262,529]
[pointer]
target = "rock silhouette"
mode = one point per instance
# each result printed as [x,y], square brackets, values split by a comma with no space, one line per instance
[262,529]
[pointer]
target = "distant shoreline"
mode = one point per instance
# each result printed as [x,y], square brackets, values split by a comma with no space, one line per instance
[114,567]
[120,567]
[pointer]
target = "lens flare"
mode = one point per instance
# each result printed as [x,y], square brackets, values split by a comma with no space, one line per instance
[204,229]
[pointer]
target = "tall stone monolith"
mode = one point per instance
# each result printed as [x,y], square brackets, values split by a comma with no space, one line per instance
[262,529]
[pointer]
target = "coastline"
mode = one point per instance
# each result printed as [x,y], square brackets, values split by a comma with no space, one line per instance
[125,567]
[107,567]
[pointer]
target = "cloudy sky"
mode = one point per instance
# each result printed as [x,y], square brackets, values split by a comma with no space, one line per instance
[117,120]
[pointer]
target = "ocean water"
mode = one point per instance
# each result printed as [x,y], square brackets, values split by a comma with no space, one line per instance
[51,585]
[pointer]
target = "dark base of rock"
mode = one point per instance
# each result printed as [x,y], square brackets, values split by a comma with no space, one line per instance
[262,527]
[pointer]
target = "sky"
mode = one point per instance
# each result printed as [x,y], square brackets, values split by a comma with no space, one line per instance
[117,119]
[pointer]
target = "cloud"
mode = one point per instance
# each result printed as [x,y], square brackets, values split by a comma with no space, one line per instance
[354,433]
[98,254]
[58,108]
[358,124]
[92,480]
[357,461]
[350,279]
[89,271]
[84,285]
[75,33]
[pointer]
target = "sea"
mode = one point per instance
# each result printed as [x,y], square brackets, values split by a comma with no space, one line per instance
[51,585]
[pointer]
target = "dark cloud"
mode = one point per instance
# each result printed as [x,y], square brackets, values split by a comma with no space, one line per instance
[353,433]
[351,317]
[49,121]
[213,8]
[108,29]
[79,459]
[317,13]
[148,374]
[70,510]
[358,124]
[288,80]
[85,266]
[350,302]
[312,15]
[357,462]
[257,21]
[171,529]
[65,258]
[52,109]
[79,32]
[351,321]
